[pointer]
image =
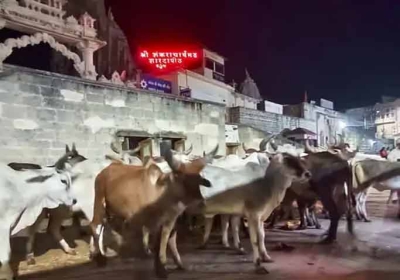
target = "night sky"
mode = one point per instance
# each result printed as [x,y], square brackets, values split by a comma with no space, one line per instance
[341,50]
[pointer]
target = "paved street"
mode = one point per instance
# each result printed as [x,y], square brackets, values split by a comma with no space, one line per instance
[377,255]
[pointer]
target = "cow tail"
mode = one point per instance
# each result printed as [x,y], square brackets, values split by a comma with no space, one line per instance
[99,213]
[351,202]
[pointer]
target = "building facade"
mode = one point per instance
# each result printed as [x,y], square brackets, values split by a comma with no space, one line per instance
[329,124]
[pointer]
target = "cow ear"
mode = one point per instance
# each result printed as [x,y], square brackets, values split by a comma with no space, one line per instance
[73,147]
[67,150]
[154,174]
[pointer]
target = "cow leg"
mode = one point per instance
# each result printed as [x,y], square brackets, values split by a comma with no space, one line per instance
[358,207]
[261,244]
[145,239]
[207,231]
[274,218]
[174,250]
[224,230]
[314,218]
[302,209]
[235,226]
[32,230]
[161,256]
[364,208]
[398,203]
[5,253]
[254,225]
[309,217]
[57,216]
[334,216]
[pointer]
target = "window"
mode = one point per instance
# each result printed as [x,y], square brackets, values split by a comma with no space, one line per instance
[215,66]
[219,68]
[209,64]
[177,144]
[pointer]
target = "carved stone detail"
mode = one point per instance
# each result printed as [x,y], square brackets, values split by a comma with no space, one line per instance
[116,78]
[46,17]
[7,47]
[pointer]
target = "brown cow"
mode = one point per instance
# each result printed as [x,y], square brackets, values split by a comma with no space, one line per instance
[146,197]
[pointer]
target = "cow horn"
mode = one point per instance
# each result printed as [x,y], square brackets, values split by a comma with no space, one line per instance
[273,145]
[268,149]
[114,148]
[173,163]
[263,143]
[244,147]
[188,151]
[309,148]
[132,152]
[210,156]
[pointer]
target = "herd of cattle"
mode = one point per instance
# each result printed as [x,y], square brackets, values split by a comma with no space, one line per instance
[151,194]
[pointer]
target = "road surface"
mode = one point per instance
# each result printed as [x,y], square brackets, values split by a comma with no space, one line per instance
[377,257]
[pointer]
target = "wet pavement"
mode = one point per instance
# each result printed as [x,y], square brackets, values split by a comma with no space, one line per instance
[377,255]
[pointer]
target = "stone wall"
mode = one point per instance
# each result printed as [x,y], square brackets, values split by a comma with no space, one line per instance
[40,112]
[266,121]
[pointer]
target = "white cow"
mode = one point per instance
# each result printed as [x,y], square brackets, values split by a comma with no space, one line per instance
[85,173]
[387,176]
[223,179]
[361,196]
[257,199]
[24,194]
[233,163]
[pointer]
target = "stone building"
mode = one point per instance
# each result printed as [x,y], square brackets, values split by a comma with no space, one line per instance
[329,124]
[42,111]
[116,55]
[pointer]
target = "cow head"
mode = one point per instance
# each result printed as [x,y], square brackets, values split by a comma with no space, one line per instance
[72,156]
[185,178]
[57,182]
[294,166]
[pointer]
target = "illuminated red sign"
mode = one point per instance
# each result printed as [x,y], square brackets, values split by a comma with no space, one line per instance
[169,59]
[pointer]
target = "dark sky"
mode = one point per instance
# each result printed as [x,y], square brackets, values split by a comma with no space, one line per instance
[343,50]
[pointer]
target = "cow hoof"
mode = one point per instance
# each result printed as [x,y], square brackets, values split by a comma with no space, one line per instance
[302,227]
[318,227]
[240,251]
[367,220]
[181,267]
[202,247]
[266,259]
[72,252]
[148,252]
[30,261]
[261,270]
[161,271]
[101,261]
[327,241]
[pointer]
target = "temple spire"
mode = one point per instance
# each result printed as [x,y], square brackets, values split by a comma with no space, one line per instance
[249,87]
[305,97]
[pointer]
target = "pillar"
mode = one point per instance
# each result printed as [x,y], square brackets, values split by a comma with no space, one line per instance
[87,48]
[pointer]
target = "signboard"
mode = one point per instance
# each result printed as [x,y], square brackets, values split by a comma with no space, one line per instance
[155,84]
[273,107]
[163,59]
[326,104]
[231,134]
[185,92]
